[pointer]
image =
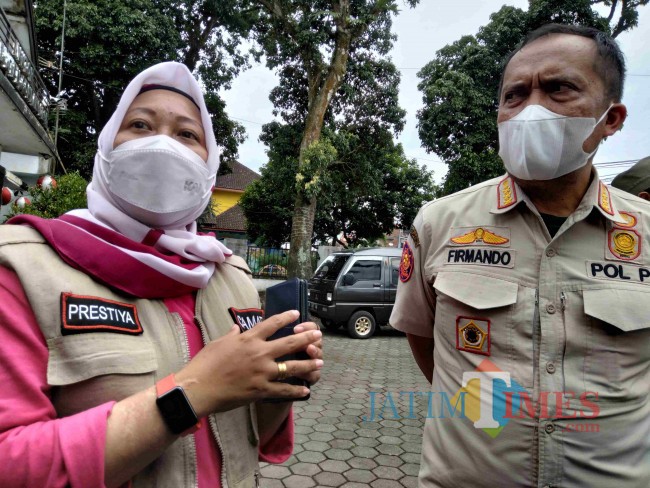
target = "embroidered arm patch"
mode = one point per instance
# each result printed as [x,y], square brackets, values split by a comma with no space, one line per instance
[406,264]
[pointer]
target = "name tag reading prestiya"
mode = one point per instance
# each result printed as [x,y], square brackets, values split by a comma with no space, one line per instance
[82,314]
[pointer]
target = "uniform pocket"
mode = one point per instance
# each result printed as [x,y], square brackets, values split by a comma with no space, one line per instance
[80,357]
[617,348]
[481,317]
[86,370]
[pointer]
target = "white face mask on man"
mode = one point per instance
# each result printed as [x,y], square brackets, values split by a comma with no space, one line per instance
[538,144]
[157,180]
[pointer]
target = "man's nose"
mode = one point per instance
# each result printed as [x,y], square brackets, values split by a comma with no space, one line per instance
[535,97]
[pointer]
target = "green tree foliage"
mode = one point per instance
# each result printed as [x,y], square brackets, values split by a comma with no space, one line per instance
[327,54]
[369,188]
[69,194]
[459,87]
[107,42]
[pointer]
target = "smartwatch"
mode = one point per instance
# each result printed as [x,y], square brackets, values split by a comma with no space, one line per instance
[175,408]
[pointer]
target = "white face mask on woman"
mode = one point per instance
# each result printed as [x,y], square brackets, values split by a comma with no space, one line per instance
[538,144]
[157,180]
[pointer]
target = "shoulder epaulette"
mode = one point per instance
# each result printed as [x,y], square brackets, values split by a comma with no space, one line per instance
[605,199]
[506,193]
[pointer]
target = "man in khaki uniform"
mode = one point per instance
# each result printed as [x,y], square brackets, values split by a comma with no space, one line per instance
[526,299]
[635,180]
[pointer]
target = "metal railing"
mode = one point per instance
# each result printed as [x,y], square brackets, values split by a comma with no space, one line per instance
[23,75]
[266,262]
[271,263]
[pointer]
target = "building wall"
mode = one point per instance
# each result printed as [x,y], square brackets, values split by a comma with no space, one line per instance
[226,234]
[222,200]
[24,99]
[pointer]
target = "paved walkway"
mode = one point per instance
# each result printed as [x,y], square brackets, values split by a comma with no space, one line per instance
[334,445]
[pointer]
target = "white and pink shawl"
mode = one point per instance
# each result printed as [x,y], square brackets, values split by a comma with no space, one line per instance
[121,252]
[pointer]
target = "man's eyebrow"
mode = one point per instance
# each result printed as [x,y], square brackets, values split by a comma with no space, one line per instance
[561,77]
[514,85]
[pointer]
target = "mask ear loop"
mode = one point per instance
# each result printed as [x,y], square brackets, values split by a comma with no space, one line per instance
[602,117]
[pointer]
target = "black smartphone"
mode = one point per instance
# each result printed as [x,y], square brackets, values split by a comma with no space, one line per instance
[288,295]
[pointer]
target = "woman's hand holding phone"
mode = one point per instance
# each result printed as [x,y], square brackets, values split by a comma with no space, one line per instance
[240,368]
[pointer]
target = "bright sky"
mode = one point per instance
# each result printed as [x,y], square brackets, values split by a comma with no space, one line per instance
[421,32]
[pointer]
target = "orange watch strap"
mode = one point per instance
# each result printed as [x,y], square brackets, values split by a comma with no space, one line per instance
[166,384]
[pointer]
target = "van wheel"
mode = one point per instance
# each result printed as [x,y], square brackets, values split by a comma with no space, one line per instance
[330,324]
[361,325]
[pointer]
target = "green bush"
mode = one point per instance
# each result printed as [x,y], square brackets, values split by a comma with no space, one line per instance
[69,194]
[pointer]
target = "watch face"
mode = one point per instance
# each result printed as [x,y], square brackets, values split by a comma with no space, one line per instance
[172,405]
[176,410]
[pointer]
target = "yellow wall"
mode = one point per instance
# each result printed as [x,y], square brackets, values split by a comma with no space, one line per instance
[222,200]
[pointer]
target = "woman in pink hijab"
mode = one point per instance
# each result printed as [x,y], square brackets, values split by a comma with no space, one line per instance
[120,358]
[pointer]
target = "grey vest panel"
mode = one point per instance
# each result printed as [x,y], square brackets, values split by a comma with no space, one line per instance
[89,369]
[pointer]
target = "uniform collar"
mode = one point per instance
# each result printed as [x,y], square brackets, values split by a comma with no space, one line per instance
[509,194]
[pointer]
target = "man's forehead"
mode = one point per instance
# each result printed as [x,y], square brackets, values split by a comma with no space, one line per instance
[554,53]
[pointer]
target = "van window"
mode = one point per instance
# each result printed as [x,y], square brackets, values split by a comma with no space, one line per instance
[394,271]
[366,270]
[330,268]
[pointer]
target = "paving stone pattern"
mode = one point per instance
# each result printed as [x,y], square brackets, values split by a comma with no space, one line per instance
[334,445]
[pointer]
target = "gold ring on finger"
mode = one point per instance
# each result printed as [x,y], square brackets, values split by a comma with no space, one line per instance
[282,371]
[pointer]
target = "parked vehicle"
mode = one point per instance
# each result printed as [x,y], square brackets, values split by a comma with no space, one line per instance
[355,288]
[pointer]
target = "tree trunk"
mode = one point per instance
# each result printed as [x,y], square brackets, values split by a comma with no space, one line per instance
[320,95]
[302,224]
[192,55]
[304,213]
[302,227]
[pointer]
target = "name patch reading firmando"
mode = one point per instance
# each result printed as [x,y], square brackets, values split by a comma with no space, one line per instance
[481,256]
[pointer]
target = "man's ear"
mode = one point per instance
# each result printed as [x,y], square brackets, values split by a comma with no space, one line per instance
[645,195]
[615,119]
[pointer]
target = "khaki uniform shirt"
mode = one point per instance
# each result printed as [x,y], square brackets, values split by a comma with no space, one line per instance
[542,344]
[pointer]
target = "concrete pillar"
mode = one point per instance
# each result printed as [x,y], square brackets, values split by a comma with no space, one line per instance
[239,247]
